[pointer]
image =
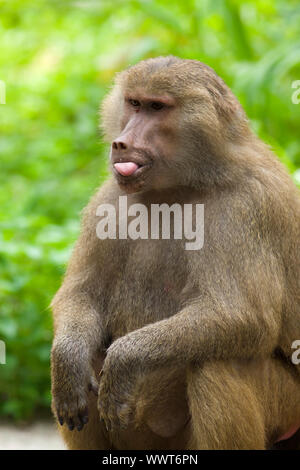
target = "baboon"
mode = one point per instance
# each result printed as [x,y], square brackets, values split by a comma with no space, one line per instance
[159,347]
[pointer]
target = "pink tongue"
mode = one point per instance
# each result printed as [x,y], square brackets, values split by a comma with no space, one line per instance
[126,169]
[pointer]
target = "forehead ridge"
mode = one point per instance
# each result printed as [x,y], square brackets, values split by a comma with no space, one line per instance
[154,80]
[178,78]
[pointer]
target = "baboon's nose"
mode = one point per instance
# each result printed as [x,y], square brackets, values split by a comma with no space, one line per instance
[119,145]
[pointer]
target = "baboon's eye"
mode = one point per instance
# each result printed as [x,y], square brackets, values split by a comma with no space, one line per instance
[134,103]
[157,105]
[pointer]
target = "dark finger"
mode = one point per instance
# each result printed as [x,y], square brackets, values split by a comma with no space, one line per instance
[83,418]
[79,426]
[70,423]
[60,420]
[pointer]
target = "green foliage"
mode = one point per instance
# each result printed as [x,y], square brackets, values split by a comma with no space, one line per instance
[57,60]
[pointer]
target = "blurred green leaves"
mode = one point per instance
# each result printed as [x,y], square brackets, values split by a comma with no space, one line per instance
[57,60]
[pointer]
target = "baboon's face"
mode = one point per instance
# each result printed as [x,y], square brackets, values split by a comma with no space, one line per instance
[168,122]
[142,156]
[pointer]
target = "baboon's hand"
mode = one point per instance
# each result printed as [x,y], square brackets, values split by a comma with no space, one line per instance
[118,385]
[71,382]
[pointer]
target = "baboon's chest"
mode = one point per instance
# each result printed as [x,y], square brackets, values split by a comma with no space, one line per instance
[151,285]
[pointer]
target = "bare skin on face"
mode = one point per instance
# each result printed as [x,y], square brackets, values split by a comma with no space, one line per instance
[147,136]
[157,347]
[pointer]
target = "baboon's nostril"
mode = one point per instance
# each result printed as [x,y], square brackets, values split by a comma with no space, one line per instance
[118,145]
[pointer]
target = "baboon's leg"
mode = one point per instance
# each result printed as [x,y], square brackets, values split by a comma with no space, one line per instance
[245,405]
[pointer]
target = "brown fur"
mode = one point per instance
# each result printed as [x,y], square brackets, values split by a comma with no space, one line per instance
[195,345]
